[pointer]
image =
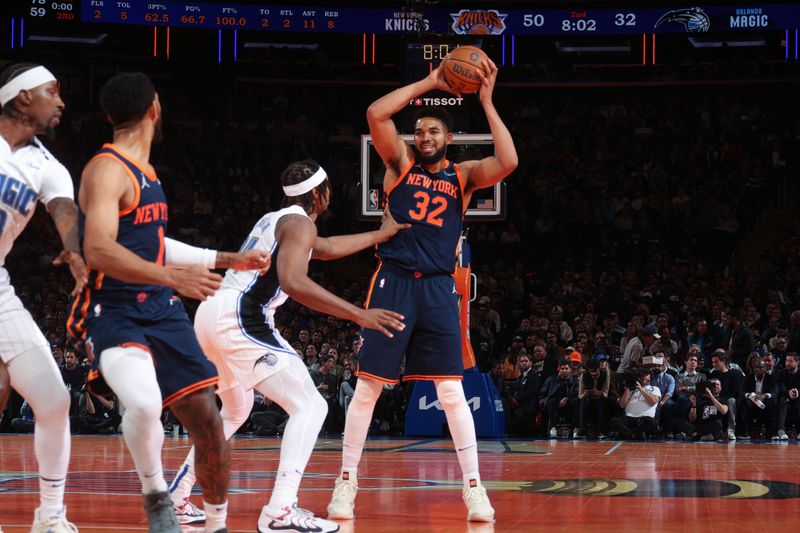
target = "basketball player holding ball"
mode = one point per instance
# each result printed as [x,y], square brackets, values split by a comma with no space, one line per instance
[415,276]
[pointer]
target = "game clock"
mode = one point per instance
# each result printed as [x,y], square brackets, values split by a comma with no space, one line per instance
[435,52]
[425,55]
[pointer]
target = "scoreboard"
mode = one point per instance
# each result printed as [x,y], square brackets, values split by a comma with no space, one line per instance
[473,22]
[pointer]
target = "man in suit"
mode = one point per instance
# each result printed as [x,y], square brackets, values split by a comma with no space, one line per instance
[559,395]
[523,401]
[759,400]
[737,339]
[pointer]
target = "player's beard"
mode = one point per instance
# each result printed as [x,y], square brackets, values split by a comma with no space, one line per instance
[435,157]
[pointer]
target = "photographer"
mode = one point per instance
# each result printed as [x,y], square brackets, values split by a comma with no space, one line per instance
[97,414]
[639,400]
[707,412]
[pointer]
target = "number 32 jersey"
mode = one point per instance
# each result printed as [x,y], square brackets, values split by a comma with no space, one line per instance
[433,203]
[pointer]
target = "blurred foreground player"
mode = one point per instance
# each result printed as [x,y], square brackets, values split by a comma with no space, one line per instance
[32,105]
[236,328]
[415,276]
[138,336]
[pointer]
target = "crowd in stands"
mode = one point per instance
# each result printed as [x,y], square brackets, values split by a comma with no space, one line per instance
[606,302]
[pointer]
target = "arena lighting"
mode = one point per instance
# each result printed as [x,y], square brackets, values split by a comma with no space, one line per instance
[571,47]
[731,42]
[95,40]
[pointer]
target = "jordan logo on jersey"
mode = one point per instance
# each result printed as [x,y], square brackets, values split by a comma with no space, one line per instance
[144,181]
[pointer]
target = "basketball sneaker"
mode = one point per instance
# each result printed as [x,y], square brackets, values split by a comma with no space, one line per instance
[54,524]
[478,507]
[160,513]
[188,513]
[343,501]
[292,518]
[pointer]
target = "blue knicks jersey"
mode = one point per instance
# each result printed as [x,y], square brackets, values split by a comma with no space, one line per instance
[433,203]
[141,230]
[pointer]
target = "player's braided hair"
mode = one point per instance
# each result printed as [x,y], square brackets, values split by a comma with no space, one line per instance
[8,74]
[298,172]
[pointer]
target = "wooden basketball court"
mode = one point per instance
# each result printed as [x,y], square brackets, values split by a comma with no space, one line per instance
[413,485]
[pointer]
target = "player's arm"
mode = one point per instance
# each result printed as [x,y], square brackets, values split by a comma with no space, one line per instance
[328,248]
[103,184]
[177,253]
[394,152]
[64,213]
[490,170]
[297,235]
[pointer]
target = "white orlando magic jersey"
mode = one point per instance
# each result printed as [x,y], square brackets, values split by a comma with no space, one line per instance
[27,175]
[260,295]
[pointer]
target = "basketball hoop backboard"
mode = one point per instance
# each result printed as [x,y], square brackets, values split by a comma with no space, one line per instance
[486,204]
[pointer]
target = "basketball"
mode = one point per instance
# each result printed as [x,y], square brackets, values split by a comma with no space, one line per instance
[461,69]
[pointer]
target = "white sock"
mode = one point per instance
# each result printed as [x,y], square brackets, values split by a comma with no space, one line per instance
[181,486]
[462,426]
[153,482]
[284,493]
[216,514]
[51,497]
[356,425]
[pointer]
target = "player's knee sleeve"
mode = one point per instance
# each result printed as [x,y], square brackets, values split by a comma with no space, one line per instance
[450,393]
[130,373]
[36,377]
[367,392]
[319,406]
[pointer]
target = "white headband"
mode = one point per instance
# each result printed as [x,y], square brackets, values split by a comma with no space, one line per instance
[304,186]
[30,79]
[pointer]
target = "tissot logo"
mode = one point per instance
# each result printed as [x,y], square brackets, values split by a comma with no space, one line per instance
[419,102]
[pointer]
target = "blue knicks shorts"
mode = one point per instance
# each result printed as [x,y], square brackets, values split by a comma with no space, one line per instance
[181,366]
[431,341]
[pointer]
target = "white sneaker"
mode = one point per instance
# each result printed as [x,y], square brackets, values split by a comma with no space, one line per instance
[291,518]
[54,524]
[478,507]
[553,433]
[731,434]
[343,500]
[188,513]
[782,435]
